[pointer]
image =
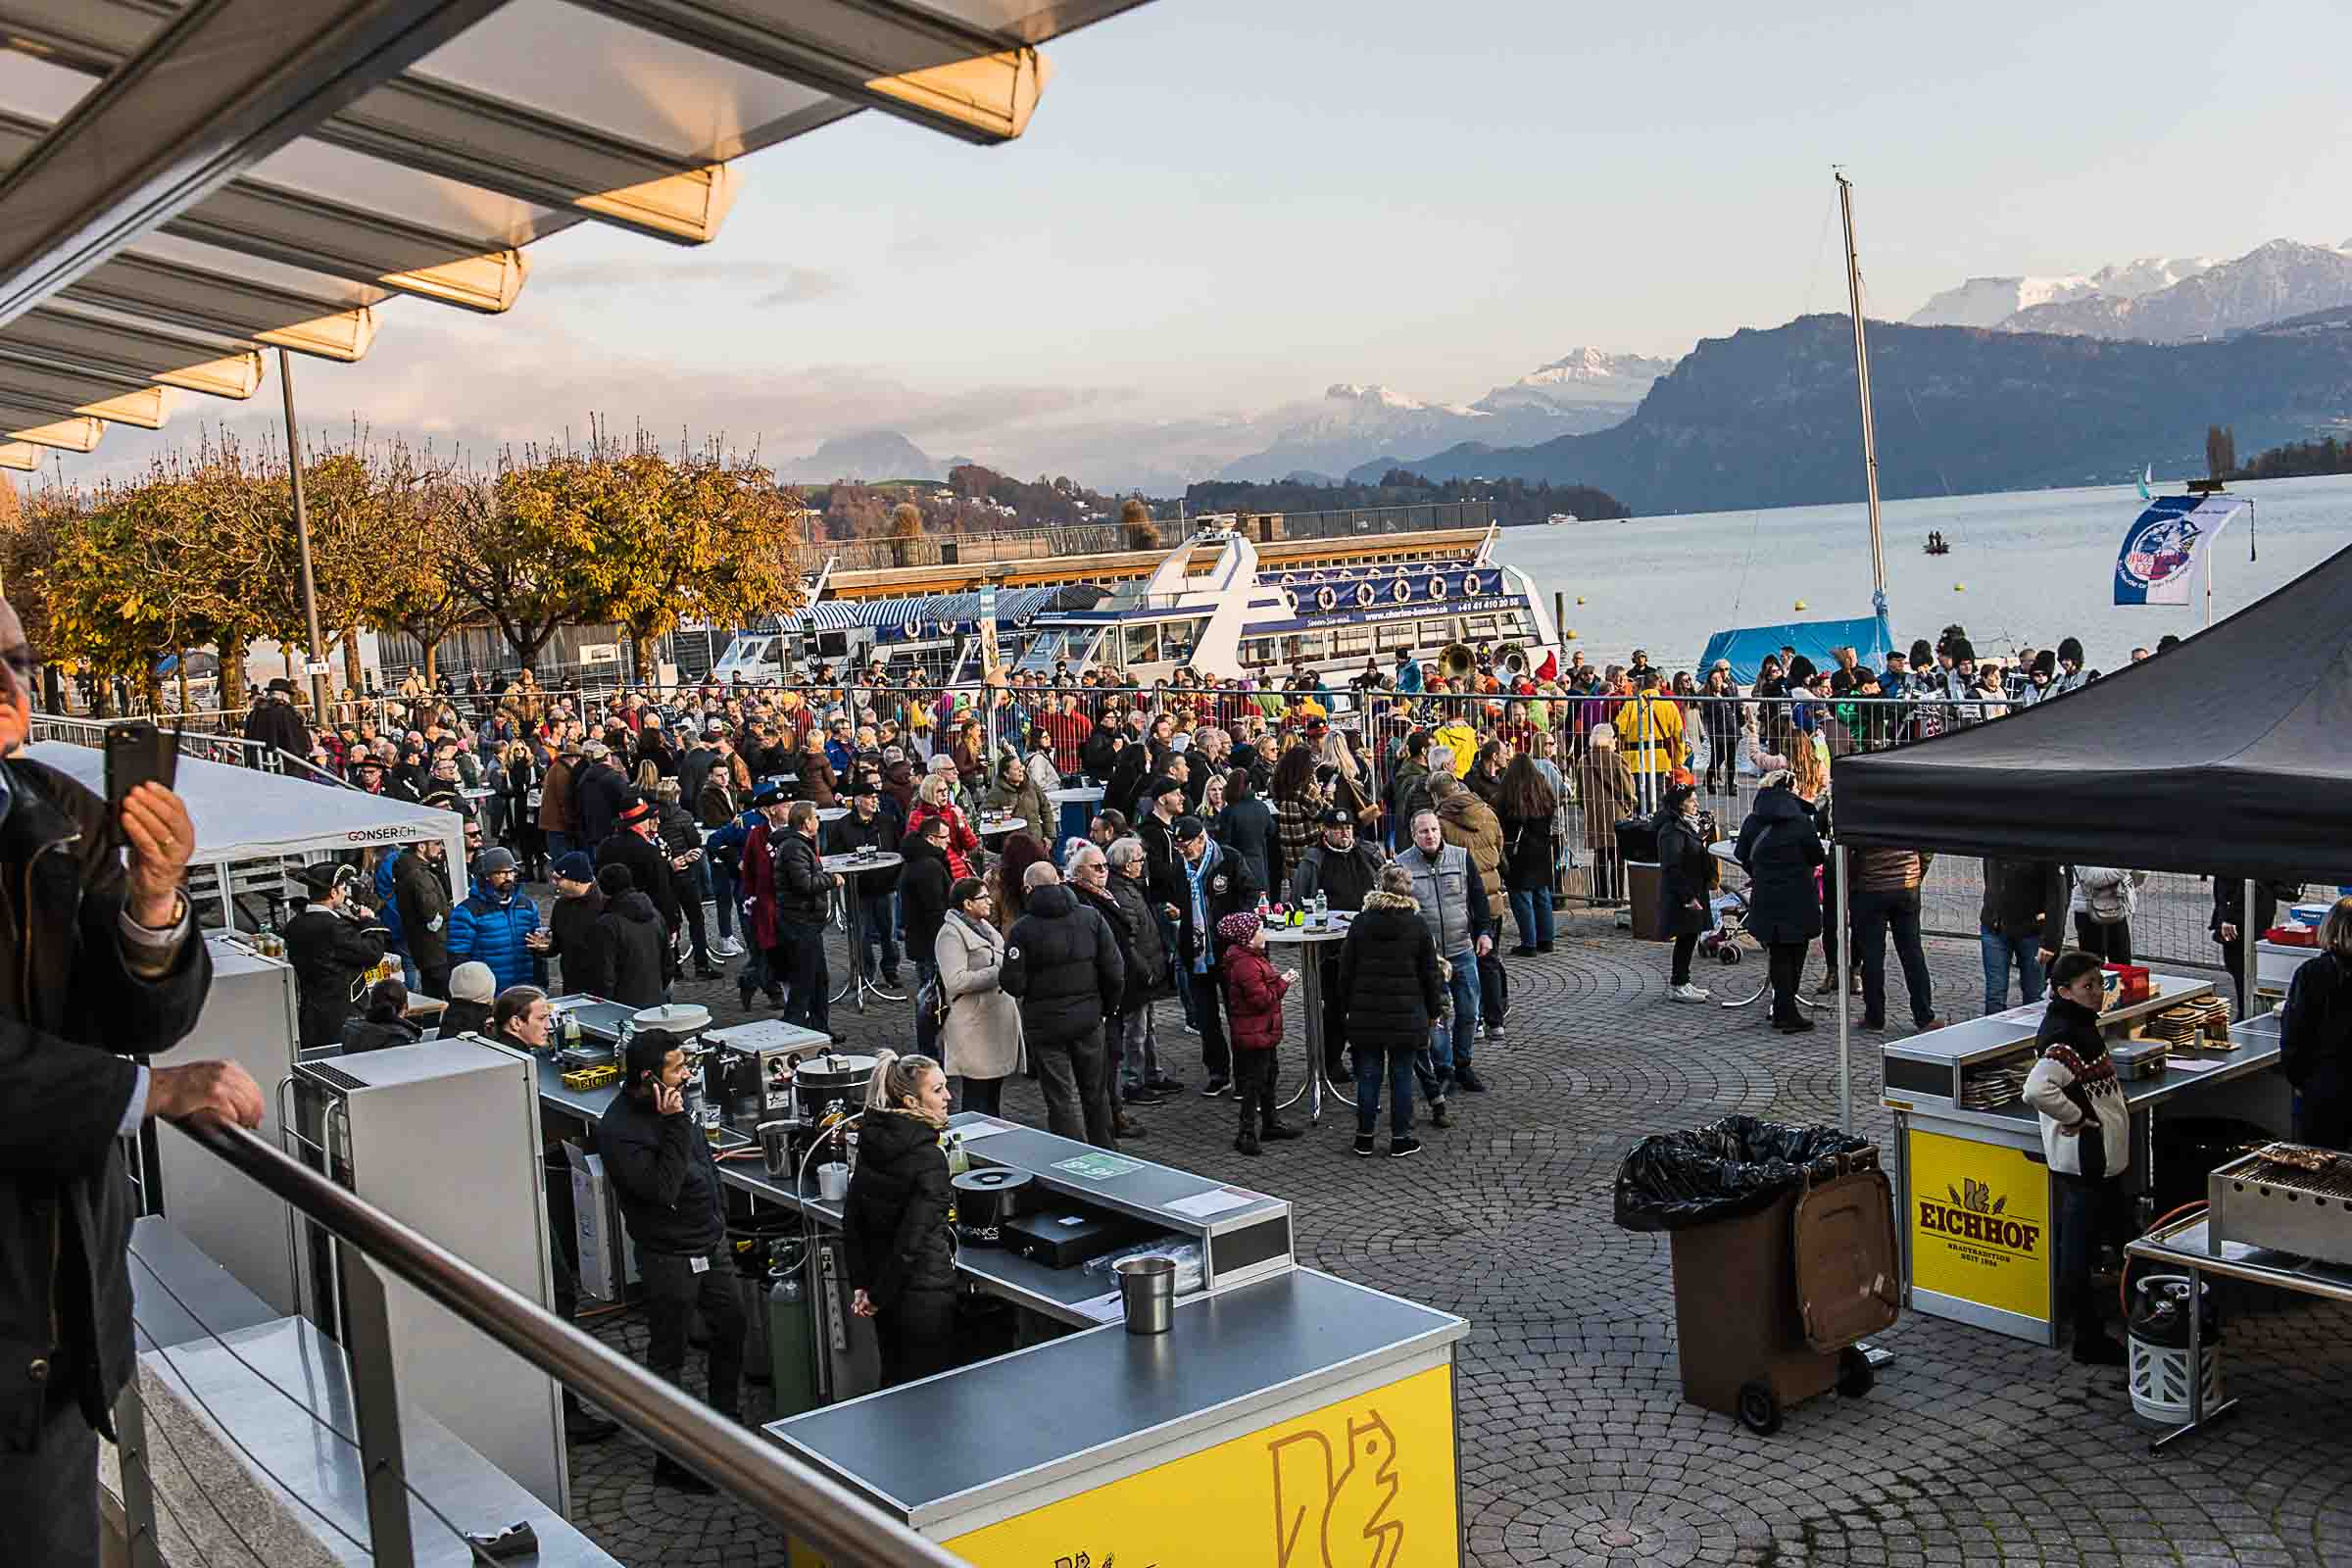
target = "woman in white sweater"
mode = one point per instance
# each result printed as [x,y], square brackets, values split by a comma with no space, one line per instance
[2086,1138]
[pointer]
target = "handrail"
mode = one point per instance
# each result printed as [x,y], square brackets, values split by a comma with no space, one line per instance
[843,1527]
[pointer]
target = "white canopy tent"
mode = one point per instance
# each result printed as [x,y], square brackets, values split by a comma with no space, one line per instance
[242,815]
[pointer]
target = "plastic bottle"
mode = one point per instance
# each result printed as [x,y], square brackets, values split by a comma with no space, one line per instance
[1322,910]
[959,1160]
[1262,906]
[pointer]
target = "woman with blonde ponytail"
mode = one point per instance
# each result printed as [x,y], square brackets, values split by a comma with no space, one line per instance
[900,1252]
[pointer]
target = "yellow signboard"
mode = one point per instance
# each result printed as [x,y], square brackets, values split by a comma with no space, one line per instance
[1979,1224]
[1366,1483]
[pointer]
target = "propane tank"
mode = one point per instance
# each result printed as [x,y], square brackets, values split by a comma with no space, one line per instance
[791,1334]
[751,1284]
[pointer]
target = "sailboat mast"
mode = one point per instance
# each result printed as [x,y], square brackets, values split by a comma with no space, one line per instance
[1869,438]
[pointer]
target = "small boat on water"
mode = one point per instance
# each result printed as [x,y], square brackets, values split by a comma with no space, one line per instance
[1938,544]
[1561,519]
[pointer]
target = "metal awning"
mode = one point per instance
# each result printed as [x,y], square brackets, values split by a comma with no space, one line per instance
[186,183]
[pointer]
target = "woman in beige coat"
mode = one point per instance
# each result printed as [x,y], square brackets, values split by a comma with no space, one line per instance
[980,1045]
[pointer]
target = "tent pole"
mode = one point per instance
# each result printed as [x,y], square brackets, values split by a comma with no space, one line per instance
[1845,971]
[2247,959]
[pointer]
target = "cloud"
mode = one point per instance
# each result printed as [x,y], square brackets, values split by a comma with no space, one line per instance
[800,285]
[557,276]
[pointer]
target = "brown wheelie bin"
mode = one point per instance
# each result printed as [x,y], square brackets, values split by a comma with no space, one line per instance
[1781,1272]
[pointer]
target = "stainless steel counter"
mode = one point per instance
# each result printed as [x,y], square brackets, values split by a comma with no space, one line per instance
[1024,1430]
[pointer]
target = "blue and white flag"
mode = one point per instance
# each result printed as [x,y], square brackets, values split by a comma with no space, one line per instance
[2161,549]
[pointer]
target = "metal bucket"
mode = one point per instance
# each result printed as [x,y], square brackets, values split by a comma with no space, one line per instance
[1148,1293]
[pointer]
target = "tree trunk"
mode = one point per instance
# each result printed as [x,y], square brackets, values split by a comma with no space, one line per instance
[352,673]
[151,685]
[432,658]
[232,673]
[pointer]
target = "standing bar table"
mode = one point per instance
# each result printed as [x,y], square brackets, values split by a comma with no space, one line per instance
[851,868]
[1307,940]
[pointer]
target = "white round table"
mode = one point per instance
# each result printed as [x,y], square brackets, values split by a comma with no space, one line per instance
[991,826]
[850,868]
[1311,975]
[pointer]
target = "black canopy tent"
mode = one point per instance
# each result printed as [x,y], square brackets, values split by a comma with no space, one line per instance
[2230,755]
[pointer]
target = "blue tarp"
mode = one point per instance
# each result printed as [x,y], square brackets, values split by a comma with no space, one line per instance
[1746,645]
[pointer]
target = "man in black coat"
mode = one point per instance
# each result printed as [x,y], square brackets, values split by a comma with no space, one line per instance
[276,721]
[662,1171]
[803,900]
[875,894]
[1345,870]
[420,890]
[598,793]
[330,945]
[636,843]
[1090,883]
[2019,898]
[570,930]
[102,957]
[924,885]
[630,942]
[1210,884]
[1062,963]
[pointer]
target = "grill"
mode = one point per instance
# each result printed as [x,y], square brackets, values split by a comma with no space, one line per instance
[2286,1196]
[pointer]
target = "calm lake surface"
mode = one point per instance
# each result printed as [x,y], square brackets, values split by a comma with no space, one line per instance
[2026,567]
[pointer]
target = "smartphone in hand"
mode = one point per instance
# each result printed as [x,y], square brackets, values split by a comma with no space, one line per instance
[136,754]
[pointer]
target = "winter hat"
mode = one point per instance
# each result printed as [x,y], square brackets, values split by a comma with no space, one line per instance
[2069,651]
[1964,652]
[471,982]
[595,750]
[1922,655]
[1239,927]
[2044,664]
[616,879]
[494,861]
[1188,828]
[574,868]
[767,793]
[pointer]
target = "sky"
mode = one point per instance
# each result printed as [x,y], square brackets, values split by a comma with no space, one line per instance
[1223,205]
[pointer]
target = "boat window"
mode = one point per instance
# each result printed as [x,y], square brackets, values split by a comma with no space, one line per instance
[1437,633]
[1142,643]
[1398,634]
[1258,651]
[1353,640]
[1311,645]
[1481,626]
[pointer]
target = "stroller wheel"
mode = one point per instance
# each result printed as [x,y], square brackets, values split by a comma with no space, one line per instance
[1729,953]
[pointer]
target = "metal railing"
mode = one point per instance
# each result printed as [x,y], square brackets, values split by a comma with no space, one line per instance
[843,1527]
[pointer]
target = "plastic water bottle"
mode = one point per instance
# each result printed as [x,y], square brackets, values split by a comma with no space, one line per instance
[1322,910]
[1261,908]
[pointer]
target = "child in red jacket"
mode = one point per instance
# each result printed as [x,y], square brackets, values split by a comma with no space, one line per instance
[1254,995]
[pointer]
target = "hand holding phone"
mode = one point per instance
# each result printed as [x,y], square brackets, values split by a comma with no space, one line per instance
[140,762]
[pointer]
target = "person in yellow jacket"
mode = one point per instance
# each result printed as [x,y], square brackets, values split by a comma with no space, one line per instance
[1458,734]
[1650,729]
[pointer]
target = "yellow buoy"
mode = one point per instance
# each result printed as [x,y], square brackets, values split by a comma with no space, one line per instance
[1580,598]
[1959,587]
[1800,604]
[1569,635]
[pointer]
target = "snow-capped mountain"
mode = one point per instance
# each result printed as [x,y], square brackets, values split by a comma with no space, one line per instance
[2270,284]
[1581,379]
[1990,301]
[1585,390]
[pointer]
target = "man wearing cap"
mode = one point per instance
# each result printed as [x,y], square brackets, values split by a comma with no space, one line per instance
[276,721]
[598,793]
[869,827]
[1210,884]
[419,896]
[636,843]
[493,923]
[569,934]
[329,946]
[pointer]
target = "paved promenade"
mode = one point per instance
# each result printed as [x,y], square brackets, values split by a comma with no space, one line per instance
[1576,1446]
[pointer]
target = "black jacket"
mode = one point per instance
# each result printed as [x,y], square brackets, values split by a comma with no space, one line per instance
[329,952]
[634,948]
[279,724]
[572,927]
[1346,881]
[1248,826]
[1227,890]
[1135,985]
[373,1034]
[895,1222]
[68,1001]
[423,896]
[923,884]
[846,834]
[461,1018]
[597,793]
[649,866]
[1149,976]
[2229,905]
[1389,991]
[2315,1036]
[1527,854]
[1062,963]
[2020,897]
[803,889]
[1779,848]
[1685,872]
[660,1168]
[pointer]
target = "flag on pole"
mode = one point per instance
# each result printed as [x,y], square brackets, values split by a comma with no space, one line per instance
[2158,561]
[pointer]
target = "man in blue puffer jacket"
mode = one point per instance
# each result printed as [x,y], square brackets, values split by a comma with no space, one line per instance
[496,922]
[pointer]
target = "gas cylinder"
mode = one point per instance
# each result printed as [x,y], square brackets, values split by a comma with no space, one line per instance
[791,1335]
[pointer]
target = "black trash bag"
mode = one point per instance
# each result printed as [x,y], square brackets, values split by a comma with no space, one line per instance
[1737,1166]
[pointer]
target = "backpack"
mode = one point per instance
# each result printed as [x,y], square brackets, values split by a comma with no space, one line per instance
[2110,904]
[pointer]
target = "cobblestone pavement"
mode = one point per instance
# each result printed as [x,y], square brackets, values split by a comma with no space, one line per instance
[1576,1446]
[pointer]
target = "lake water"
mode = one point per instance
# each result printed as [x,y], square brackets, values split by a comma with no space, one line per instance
[2026,567]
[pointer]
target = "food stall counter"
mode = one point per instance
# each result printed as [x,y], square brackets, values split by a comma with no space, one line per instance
[1268,1414]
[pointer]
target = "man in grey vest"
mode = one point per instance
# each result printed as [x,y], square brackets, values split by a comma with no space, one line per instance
[1453,905]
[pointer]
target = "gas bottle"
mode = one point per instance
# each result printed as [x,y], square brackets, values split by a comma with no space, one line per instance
[791,1335]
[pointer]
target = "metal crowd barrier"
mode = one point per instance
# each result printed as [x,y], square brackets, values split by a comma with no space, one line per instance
[815,1511]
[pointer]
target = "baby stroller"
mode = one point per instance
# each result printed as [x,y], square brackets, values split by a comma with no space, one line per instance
[1722,944]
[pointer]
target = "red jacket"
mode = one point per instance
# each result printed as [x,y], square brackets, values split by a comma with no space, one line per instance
[961,840]
[1254,995]
[757,873]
